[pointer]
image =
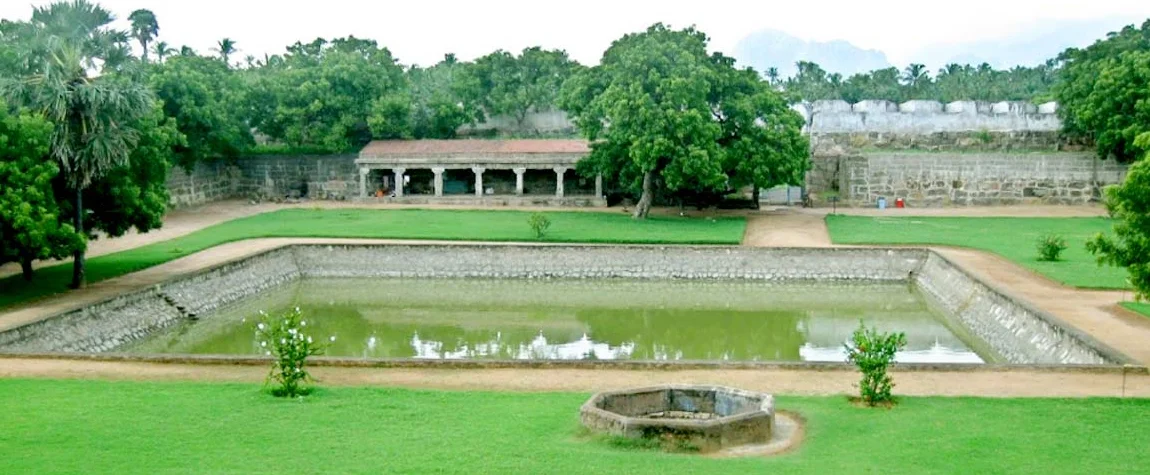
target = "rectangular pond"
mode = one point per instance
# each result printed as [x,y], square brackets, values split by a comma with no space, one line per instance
[587,319]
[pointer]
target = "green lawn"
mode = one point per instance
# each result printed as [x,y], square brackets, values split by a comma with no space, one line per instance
[1012,238]
[1142,308]
[157,428]
[583,227]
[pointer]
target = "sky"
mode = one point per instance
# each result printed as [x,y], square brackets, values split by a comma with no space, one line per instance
[422,31]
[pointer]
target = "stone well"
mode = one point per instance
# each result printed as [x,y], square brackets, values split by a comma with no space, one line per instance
[711,418]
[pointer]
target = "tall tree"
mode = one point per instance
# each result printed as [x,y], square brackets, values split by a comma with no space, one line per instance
[225,48]
[1129,246]
[432,104]
[516,85]
[761,136]
[30,225]
[653,89]
[206,99]
[144,29]
[320,94]
[1104,92]
[92,115]
[163,50]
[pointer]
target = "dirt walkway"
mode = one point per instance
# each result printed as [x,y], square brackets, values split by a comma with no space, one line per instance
[796,382]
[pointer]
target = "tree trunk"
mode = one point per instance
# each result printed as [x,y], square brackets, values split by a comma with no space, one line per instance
[26,268]
[755,196]
[644,206]
[78,256]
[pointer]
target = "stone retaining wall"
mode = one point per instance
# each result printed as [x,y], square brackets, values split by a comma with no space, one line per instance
[1019,333]
[1014,330]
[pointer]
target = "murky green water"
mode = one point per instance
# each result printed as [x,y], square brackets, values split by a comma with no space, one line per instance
[568,319]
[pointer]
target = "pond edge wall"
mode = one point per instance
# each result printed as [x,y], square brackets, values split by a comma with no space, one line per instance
[1014,329]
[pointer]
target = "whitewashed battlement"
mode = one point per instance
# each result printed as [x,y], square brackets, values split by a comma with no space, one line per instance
[927,117]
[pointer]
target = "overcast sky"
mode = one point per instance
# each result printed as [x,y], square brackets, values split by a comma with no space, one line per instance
[421,31]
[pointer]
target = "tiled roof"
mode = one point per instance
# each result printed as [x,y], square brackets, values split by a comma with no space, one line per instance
[383,148]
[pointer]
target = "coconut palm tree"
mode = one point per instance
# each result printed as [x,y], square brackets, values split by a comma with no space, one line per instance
[225,48]
[163,50]
[144,28]
[71,46]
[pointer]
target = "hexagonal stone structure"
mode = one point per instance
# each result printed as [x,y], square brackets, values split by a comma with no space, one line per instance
[710,418]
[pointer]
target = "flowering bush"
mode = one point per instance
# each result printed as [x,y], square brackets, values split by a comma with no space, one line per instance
[872,352]
[284,339]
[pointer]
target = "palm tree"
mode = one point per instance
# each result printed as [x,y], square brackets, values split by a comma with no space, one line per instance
[163,50]
[225,48]
[915,75]
[773,75]
[144,28]
[89,113]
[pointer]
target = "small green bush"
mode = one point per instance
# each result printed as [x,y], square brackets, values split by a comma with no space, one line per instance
[539,224]
[284,338]
[872,352]
[1050,247]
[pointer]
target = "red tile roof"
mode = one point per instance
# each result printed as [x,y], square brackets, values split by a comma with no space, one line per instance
[381,148]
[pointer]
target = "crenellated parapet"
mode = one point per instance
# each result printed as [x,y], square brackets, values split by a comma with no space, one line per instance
[927,117]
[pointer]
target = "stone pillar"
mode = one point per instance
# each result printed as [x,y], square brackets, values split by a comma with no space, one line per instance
[478,180]
[363,171]
[598,186]
[519,180]
[399,181]
[438,180]
[559,172]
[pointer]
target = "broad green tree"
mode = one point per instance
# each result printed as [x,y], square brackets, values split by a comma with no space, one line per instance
[1104,92]
[653,89]
[135,194]
[320,94]
[517,85]
[144,29]
[1129,246]
[762,137]
[206,99]
[92,113]
[30,224]
[431,104]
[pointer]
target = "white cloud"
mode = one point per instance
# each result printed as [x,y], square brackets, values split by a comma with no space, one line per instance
[422,31]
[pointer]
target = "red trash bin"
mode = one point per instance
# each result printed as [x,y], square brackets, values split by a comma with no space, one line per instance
[899,203]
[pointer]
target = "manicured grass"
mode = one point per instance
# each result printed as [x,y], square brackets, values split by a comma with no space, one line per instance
[582,227]
[130,427]
[1142,308]
[1013,238]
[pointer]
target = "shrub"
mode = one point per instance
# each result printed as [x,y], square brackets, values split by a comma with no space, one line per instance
[1050,247]
[539,224]
[284,338]
[872,352]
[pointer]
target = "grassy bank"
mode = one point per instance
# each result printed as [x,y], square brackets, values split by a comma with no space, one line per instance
[128,427]
[1012,238]
[457,225]
[1142,308]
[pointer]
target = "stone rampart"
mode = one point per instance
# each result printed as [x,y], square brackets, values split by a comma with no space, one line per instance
[1011,328]
[964,179]
[927,117]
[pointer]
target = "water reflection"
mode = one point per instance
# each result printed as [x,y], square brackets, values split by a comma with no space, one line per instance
[569,320]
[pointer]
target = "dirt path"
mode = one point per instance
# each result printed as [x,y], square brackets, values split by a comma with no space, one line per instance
[795,382]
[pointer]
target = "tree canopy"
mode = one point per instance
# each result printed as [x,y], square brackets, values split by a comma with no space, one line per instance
[665,116]
[1104,92]
[31,227]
